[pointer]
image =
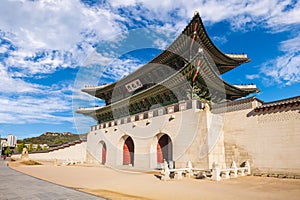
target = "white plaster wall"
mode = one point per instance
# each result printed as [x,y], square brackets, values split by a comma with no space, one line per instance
[73,153]
[182,130]
[271,140]
[188,131]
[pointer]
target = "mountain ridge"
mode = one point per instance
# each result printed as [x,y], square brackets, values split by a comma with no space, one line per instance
[54,138]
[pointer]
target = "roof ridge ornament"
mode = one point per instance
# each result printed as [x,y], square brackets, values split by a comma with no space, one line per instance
[196,13]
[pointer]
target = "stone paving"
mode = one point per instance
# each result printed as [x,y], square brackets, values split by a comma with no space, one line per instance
[15,185]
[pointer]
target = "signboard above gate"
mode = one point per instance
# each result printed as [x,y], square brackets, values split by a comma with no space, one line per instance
[134,85]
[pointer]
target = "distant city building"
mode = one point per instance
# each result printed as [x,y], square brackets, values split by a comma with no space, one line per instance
[11,140]
[3,143]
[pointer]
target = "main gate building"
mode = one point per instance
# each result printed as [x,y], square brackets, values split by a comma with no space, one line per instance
[177,108]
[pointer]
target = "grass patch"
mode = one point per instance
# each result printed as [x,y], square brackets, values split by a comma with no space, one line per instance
[30,162]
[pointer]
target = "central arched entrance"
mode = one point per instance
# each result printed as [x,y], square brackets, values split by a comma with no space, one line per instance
[164,149]
[128,152]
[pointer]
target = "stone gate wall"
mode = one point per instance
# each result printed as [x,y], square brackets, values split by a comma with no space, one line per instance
[269,139]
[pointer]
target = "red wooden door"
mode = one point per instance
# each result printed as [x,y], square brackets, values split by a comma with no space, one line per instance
[103,154]
[126,155]
[160,158]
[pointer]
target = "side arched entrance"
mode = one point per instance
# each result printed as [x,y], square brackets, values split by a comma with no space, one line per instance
[102,151]
[164,149]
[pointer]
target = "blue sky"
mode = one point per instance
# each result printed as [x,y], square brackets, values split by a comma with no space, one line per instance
[49,49]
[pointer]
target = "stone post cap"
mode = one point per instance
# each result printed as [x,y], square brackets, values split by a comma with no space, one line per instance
[233,164]
[189,164]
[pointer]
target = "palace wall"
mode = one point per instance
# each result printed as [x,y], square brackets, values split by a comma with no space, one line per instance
[270,140]
[76,153]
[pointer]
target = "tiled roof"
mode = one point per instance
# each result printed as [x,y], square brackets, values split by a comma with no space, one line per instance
[236,102]
[280,103]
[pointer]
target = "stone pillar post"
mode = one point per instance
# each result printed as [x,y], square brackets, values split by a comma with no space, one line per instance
[216,173]
[189,166]
[247,165]
[234,167]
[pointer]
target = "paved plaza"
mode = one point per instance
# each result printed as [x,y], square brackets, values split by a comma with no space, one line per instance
[15,185]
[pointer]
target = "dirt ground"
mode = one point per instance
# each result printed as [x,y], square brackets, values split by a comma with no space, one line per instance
[116,184]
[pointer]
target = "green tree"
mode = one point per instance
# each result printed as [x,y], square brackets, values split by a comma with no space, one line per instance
[59,141]
[30,148]
[45,148]
[21,146]
[7,151]
[38,148]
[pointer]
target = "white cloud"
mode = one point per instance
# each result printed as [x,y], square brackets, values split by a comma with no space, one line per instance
[72,28]
[3,48]
[53,34]
[23,102]
[291,45]
[120,68]
[252,76]
[285,69]
[220,39]
[55,24]
[284,14]
[39,108]
[240,14]
[15,85]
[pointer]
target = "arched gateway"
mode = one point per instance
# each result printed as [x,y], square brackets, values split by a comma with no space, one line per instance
[128,152]
[164,149]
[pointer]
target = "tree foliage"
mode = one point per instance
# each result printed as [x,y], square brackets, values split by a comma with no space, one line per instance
[21,146]
[53,138]
[7,151]
[38,148]
[30,148]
